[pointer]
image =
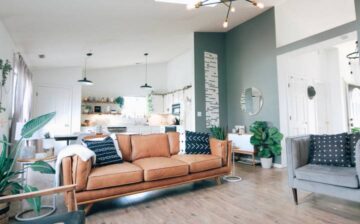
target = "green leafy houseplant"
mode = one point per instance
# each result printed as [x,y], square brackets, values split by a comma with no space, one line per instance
[6,69]
[266,140]
[355,130]
[10,183]
[120,101]
[218,132]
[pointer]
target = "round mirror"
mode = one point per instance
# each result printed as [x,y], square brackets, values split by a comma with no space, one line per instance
[251,101]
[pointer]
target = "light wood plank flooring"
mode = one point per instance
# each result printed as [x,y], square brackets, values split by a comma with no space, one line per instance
[262,197]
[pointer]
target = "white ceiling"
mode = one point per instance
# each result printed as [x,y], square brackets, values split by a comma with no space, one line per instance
[117,31]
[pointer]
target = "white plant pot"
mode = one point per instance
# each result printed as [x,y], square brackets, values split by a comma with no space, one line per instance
[266,163]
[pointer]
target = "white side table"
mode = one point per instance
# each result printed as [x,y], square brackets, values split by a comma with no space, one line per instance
[24,177]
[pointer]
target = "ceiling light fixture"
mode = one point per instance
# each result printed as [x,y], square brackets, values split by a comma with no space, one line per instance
[85,81]
[227,3]
[146,86]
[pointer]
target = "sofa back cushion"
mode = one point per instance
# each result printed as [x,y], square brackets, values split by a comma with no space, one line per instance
[353,139]
[124,142]
[174,142]
[154,145]
[331,150]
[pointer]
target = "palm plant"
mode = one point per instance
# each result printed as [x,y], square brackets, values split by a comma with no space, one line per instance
[10,183]
[267,140]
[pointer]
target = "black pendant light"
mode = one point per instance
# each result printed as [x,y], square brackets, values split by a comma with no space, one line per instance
[146,86]
[85,81]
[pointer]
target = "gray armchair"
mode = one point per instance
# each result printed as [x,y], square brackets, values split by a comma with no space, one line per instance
[341,182]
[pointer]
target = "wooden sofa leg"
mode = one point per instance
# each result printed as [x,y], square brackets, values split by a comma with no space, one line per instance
[88,208]
[218,180]
[294,191]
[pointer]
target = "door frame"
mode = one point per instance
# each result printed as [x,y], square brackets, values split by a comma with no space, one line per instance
[62,86]
[348,102]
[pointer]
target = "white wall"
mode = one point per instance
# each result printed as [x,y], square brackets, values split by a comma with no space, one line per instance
[181,73]
[125,81]
[296,20]
[7,49]
[63,77]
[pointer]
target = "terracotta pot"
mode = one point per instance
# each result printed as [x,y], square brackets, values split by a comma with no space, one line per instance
[4,213]
[266,163]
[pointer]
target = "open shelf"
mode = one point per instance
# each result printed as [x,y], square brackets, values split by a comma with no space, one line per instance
[97,102]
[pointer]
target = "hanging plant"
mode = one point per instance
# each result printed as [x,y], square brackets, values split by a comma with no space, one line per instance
[6,69]
[120,101]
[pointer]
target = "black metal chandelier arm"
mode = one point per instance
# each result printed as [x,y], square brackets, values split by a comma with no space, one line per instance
[228,12]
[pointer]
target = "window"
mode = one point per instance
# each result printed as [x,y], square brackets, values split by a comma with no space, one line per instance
[134,106]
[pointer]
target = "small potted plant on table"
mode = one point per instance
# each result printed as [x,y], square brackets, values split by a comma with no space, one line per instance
[267,142]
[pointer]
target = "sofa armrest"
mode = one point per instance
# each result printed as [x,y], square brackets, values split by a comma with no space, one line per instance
[76,171]
[220,148]
[297,153]
[357,158]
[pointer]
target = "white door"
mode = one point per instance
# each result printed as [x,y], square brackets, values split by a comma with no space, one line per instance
[49,99]
[321,108]
[354,107]
[298,106]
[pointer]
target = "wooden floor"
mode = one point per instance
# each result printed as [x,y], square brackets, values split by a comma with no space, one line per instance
[262,197]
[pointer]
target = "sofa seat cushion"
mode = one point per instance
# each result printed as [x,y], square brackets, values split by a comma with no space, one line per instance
[338,176]
[114,175]
[199,163]
[157,168]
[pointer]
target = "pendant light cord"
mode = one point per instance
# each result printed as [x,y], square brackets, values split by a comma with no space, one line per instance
[146,67]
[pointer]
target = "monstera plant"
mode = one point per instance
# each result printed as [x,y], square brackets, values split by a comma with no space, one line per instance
[267,142]
[10,183]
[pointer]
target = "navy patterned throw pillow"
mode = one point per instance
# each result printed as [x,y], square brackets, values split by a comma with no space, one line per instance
[353,139]
[104,150]
[197,143]
[330,150]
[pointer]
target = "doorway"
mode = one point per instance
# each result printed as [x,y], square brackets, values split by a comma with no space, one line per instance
[354,106]
[49,99]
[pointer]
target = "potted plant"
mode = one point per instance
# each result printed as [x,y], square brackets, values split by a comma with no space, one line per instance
[10,183]
[119,101]
[267,142]
[218,132]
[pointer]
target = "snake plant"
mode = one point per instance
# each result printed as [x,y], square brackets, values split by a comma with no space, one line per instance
[10,183]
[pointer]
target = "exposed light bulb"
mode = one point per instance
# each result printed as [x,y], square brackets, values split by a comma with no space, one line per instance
[225,24]
[260,5]
[232,9]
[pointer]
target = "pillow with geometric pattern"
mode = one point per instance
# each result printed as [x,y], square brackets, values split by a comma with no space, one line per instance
[330,150]
[353,139]
[197,143]
[104,150]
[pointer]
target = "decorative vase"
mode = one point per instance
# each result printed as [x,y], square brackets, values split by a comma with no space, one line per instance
[266,163]
[4,213]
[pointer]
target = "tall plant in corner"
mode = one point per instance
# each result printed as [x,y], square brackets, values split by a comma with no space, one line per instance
[9,180]
[267,142]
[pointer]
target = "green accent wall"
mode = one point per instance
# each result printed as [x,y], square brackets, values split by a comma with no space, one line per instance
[251,62]
[213,43]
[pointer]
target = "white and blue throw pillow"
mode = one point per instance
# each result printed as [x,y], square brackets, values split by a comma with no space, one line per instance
[105,151]
[197,143]
[330,150]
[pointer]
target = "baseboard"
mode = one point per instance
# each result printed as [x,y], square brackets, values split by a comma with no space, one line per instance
[277,165]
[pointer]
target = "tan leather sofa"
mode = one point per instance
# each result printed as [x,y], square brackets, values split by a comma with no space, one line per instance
[150,162]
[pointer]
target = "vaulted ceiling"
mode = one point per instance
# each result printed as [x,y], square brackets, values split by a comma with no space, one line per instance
[118,32]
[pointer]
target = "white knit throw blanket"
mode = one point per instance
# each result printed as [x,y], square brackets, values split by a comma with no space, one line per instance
[72,150]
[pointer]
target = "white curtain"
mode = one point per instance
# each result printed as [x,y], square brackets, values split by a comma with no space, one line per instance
[22,94]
